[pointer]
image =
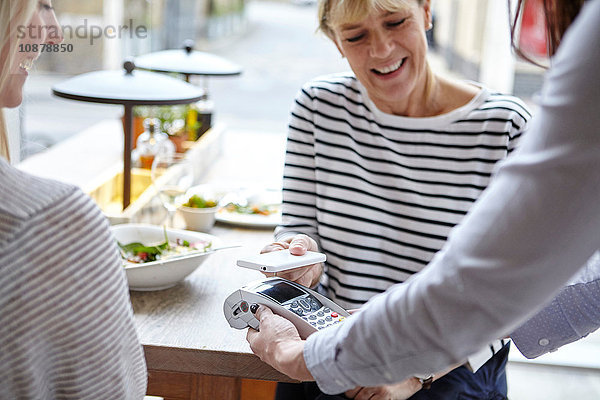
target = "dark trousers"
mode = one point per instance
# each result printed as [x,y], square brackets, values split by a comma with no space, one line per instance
[488,383]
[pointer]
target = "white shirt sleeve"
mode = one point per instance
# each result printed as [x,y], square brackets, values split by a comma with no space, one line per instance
[530,231]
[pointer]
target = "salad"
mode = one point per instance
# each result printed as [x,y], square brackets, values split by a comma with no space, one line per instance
[200,202]
[259,209]
[139,253]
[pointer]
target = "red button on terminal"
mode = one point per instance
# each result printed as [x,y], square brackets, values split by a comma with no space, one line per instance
[334,314]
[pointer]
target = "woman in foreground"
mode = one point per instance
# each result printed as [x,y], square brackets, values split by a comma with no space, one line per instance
[66,323]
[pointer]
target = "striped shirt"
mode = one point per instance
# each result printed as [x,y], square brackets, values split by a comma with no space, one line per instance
[66,322]
[380,192]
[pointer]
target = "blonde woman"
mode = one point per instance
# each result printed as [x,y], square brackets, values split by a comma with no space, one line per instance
[382,162]
[15,16]
[66,323]
[531,230]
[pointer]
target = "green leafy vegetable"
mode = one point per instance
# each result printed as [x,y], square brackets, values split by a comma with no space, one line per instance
[139,253]
[200,202]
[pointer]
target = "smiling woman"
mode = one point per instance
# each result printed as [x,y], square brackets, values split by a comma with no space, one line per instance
[19,50]
[398,82]
[382,162]
[66,326]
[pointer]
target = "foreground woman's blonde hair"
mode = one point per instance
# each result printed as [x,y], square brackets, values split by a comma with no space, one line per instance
[13,14]
[336,12]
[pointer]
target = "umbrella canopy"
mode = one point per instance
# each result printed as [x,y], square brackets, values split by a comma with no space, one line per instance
[188,61]
[127,87]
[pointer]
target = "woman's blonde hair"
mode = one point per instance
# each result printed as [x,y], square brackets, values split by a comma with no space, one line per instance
[13,14]
[336,12]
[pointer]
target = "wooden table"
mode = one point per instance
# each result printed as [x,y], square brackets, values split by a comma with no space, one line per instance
[191,351]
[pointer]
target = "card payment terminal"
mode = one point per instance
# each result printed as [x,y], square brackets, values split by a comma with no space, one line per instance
[308,310]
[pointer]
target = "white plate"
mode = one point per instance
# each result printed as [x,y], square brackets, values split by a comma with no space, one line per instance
[251,196]
[250,220]
[226,194]
[158,275]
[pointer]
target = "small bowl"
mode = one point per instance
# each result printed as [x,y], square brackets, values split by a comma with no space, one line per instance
[161,274]
[198,219]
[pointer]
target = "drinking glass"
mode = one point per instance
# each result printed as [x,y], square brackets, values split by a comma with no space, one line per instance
[172,175]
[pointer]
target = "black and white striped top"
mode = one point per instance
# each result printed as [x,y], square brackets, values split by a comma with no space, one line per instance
[66,322]
[381,192]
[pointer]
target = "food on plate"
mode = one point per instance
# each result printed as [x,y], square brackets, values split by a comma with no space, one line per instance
[139,253]
[197,201]
[252,208]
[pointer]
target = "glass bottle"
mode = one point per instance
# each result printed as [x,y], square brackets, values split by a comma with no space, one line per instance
[152,142]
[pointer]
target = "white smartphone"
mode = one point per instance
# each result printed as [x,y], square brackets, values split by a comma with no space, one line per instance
[308,310]
[280,260]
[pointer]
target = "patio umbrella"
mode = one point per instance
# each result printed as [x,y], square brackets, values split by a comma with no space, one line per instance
[188,62]
[129,88]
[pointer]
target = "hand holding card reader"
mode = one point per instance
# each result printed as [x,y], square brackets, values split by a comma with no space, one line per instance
[308,310]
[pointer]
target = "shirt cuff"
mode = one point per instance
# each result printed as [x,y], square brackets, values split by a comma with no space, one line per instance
[546,331]
[320,352]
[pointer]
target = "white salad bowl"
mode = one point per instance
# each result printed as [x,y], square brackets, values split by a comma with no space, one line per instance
[198,219]
[161,274]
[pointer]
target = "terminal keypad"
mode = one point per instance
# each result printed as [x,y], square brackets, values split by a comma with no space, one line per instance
[311,310]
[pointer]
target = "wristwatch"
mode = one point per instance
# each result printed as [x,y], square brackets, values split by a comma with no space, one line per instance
[426,382]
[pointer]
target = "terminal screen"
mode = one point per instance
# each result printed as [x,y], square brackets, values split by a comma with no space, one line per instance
[280,291]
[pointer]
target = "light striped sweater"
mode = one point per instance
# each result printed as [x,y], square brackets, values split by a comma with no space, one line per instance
[66,322]
[379,192]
